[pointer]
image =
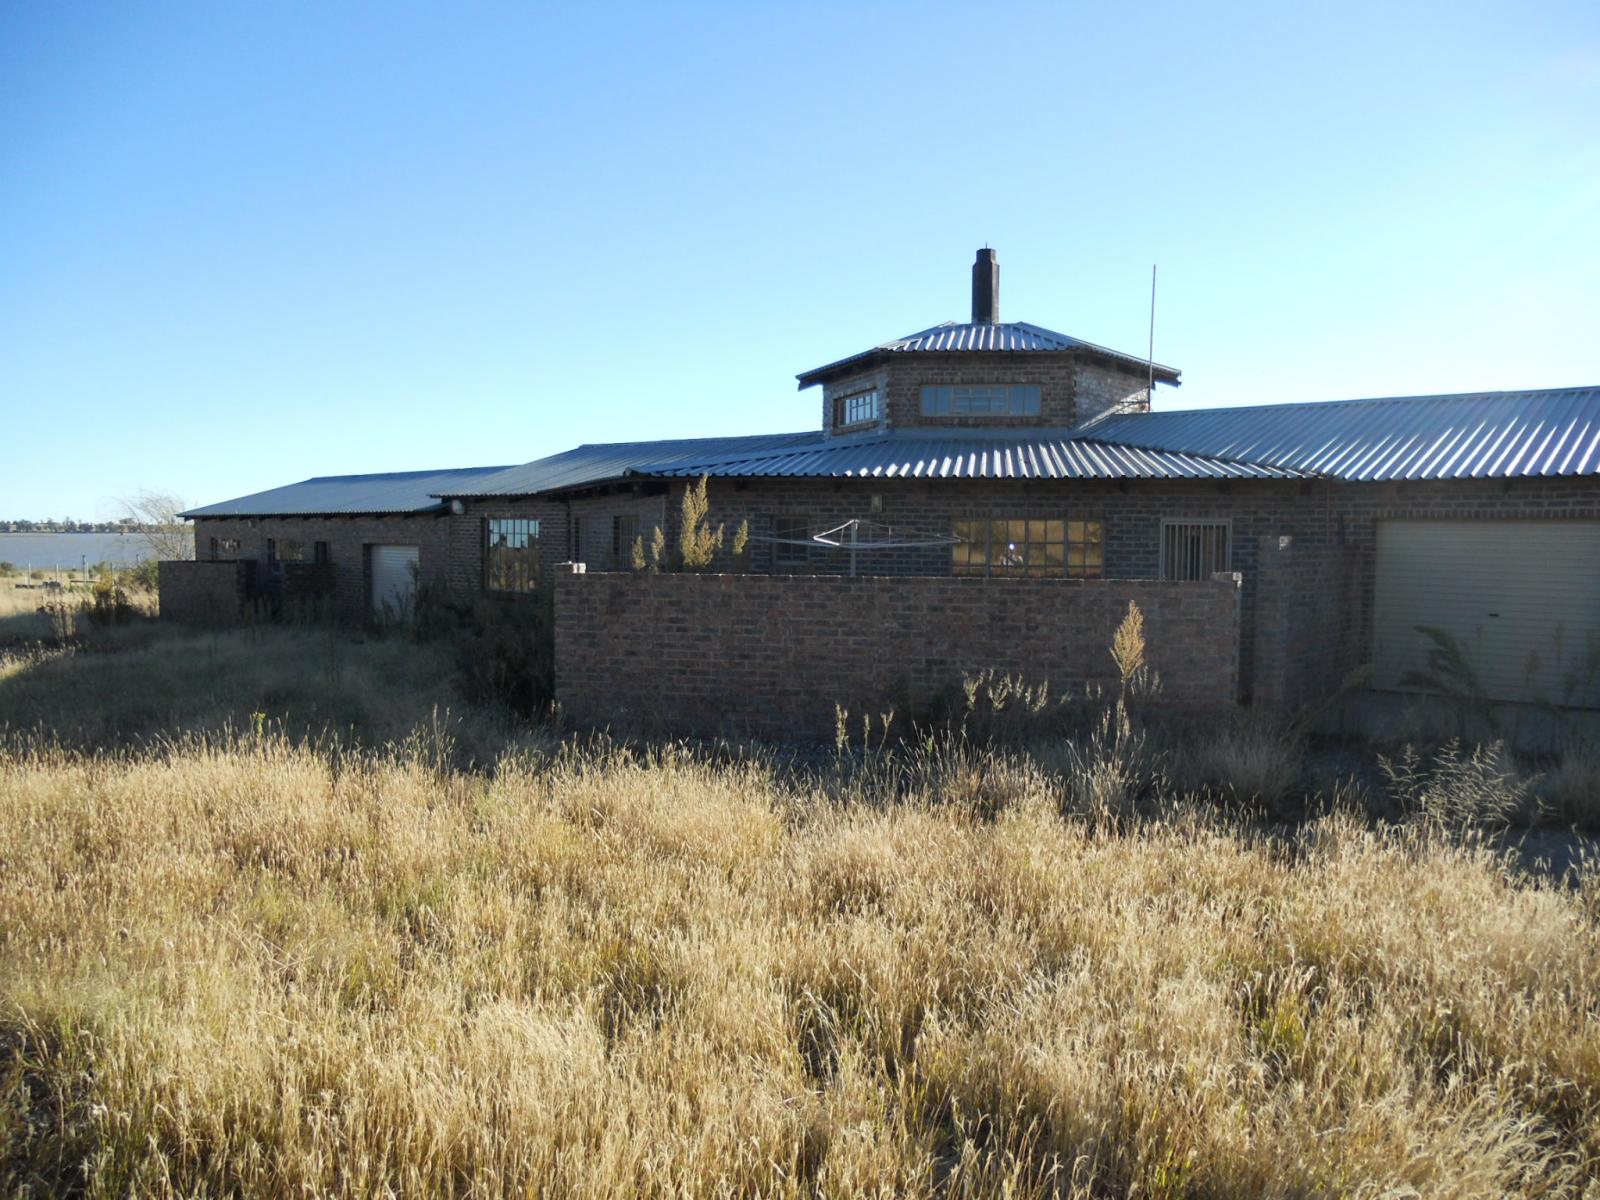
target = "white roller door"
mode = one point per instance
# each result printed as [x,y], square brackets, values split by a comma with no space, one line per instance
[1522,598]
[394,579]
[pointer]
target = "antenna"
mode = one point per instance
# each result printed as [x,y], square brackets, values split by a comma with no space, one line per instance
[1150,362]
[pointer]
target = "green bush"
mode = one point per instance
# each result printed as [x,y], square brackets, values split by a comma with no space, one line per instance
[503,646]
[145,575]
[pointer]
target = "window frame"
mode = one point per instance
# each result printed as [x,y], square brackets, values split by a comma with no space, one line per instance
[842,405]
[621,541]
[1032,400]
[529,577]
[1225,524]
[788,558]
[276,558]
[1074,558]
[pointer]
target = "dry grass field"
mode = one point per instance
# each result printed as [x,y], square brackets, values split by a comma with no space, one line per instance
[435,954]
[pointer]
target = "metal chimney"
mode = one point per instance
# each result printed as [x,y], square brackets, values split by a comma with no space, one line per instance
[986,289]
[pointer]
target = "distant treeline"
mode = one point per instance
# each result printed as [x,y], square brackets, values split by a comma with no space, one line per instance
[68,525]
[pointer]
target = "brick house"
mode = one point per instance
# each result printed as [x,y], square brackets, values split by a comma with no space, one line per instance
[1003,450]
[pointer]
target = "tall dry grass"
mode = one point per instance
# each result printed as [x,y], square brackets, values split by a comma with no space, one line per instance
[238,966]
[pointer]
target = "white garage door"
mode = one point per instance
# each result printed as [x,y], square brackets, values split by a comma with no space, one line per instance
[394,580]
[1522,598]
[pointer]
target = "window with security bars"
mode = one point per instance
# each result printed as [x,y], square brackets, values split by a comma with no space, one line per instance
[224,548]
[511,555]
[1029,547]
[624,532]
[1195,549]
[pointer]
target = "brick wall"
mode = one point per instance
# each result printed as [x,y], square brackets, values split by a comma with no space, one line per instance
[1314,514]
[1071,389]
[1307,610]
[468,533]
[202,593]
[595,524]
[771,656]
[348,539]
[1099,389]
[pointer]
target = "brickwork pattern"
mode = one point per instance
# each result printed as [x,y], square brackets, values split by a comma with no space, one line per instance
[597,524]
[1306,623]
[1071,390]
[201,593]
[348,539]
[771,656]
[1098,390]
[468,536]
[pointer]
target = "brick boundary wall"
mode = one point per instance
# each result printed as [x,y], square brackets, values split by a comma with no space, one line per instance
[201,593]
[1307,622]
[770,656]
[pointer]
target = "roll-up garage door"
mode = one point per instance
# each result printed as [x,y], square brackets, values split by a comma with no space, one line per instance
[394,580]
[1521,598]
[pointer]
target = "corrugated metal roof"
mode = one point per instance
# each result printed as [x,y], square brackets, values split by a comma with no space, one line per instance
[1014,336]
[397,492]
[1477,435]
[595,463]
[960,454]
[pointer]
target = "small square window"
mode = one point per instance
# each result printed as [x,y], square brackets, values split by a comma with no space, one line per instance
[1195,549]
[857,409]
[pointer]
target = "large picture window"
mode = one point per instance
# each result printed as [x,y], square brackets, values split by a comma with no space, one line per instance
[1029,547]
[511,555]
[981,400]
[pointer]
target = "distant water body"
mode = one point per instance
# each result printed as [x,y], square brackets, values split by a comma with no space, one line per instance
[71,550]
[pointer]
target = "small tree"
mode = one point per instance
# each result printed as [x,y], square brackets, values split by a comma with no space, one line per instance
[698,542]
[741,546]
[155,516]
[636,556]
[658,549]
[1127,645]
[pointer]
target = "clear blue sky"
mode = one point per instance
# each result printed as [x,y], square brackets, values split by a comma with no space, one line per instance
[243,244]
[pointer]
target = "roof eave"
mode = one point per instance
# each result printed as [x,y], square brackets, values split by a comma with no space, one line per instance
[1163,374]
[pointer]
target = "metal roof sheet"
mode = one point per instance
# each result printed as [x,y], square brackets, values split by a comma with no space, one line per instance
[596,463]
[1013,336]
[960,454]
[1477,435]
[396,492]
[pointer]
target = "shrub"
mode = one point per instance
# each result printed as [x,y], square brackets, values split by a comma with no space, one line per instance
[1246,758]
[1457,793]
[1571,789]
[503,646]
[144,575]
[107,604]
[698,542]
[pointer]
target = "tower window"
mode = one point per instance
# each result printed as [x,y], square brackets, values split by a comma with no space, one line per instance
[857,409]
[981,400]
